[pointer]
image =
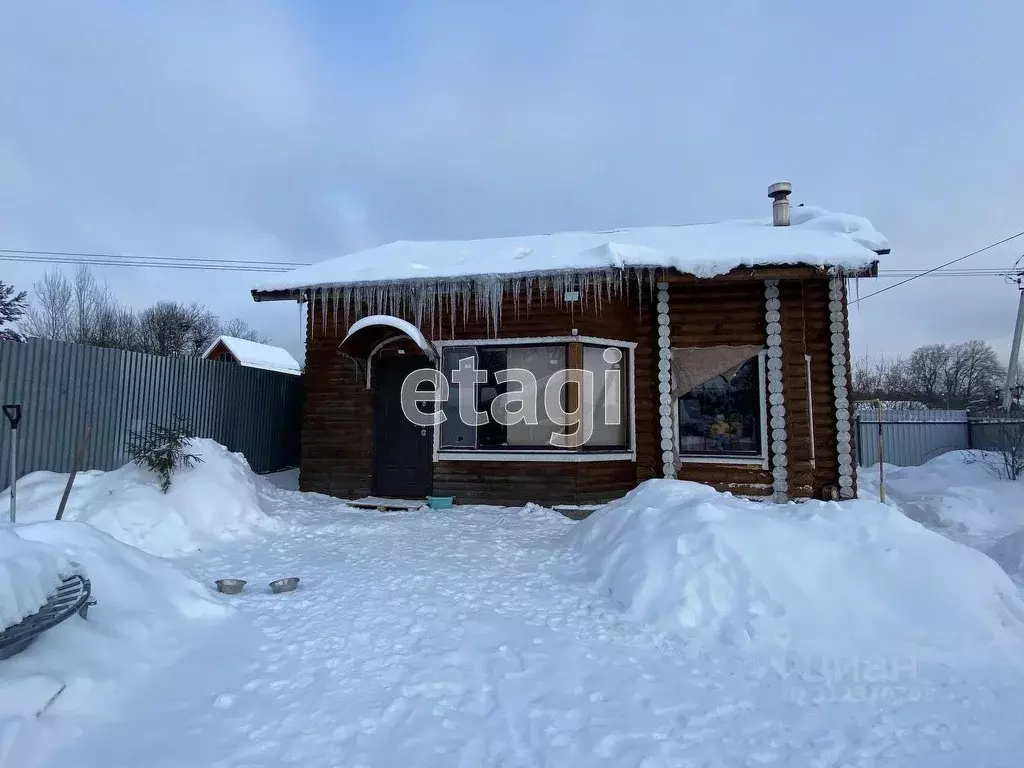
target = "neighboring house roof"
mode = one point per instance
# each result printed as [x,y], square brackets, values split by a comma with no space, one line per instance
[251,354]
[815,238]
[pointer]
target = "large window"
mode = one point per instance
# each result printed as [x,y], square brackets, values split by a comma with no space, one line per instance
[557,397]
[721,401]
[604,401]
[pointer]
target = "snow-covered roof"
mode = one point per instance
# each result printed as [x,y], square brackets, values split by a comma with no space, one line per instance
[816,238]
[252,354]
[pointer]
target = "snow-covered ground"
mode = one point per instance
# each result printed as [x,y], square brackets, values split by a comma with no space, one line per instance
[473,638]
[148,611]
[958,493]
[962,495]
[484,636]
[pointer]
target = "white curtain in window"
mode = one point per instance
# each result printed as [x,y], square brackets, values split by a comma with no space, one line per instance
[542,362]
[693,366]
[601,401]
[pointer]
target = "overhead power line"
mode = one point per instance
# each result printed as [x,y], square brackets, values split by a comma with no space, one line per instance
[943,266]
[116,256]
[216,264]
[151,265]
[166,262]
[885,274]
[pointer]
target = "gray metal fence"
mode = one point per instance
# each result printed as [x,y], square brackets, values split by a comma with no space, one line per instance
[996,432]
[913,437]
[61,387]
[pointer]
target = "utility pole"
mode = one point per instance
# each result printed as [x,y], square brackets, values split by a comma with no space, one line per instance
[880,415]
[1011,371]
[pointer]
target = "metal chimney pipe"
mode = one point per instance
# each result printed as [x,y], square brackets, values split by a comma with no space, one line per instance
[779,192]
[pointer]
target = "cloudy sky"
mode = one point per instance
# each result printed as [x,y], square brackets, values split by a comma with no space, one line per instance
[296,131]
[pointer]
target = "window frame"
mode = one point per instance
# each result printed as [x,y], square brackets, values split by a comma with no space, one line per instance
[751,460]
[810,407]
[571,455]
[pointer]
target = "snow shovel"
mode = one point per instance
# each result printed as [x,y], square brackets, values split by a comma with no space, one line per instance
[13,414]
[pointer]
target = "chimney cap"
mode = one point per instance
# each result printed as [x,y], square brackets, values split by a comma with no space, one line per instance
[780,190]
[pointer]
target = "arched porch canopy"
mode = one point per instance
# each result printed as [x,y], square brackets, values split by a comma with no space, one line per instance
[368,336]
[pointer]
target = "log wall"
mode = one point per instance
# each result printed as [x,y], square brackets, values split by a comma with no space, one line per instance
[715,312]
[338,424]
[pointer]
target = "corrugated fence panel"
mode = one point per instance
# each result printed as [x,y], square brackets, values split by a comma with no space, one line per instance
[910,438]
[998,432]
[62,387]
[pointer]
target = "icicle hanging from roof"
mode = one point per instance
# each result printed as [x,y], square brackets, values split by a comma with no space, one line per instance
[426,302]
[323,310]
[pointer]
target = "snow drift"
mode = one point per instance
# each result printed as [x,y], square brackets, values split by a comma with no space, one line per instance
[1009,553]
[127,579]
[76,668]
[851,578]
[29,572]
[216,500]
[958,494]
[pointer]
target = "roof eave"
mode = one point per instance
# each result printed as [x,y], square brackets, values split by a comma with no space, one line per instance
[796,271]
[293,294]
[872,269]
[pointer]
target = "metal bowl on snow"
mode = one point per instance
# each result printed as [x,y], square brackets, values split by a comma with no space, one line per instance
[284,585]
[230,586]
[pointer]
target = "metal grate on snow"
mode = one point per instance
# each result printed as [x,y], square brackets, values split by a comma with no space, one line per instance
[71,597]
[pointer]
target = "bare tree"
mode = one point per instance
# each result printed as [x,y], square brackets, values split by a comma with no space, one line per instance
[964,375]
[1003,456]
[867,382]
[239,329]
[163,328]
[177,330]
[1011,449]
[923,374]
[972,375]
[881,379]
[115,326]
[81,309]
[12,307]
[47,316]
[87,295]
[205,330]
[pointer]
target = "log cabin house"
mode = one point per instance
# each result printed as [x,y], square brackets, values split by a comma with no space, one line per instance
[717,353]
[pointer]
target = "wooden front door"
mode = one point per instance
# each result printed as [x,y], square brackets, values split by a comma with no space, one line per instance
[402,451]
